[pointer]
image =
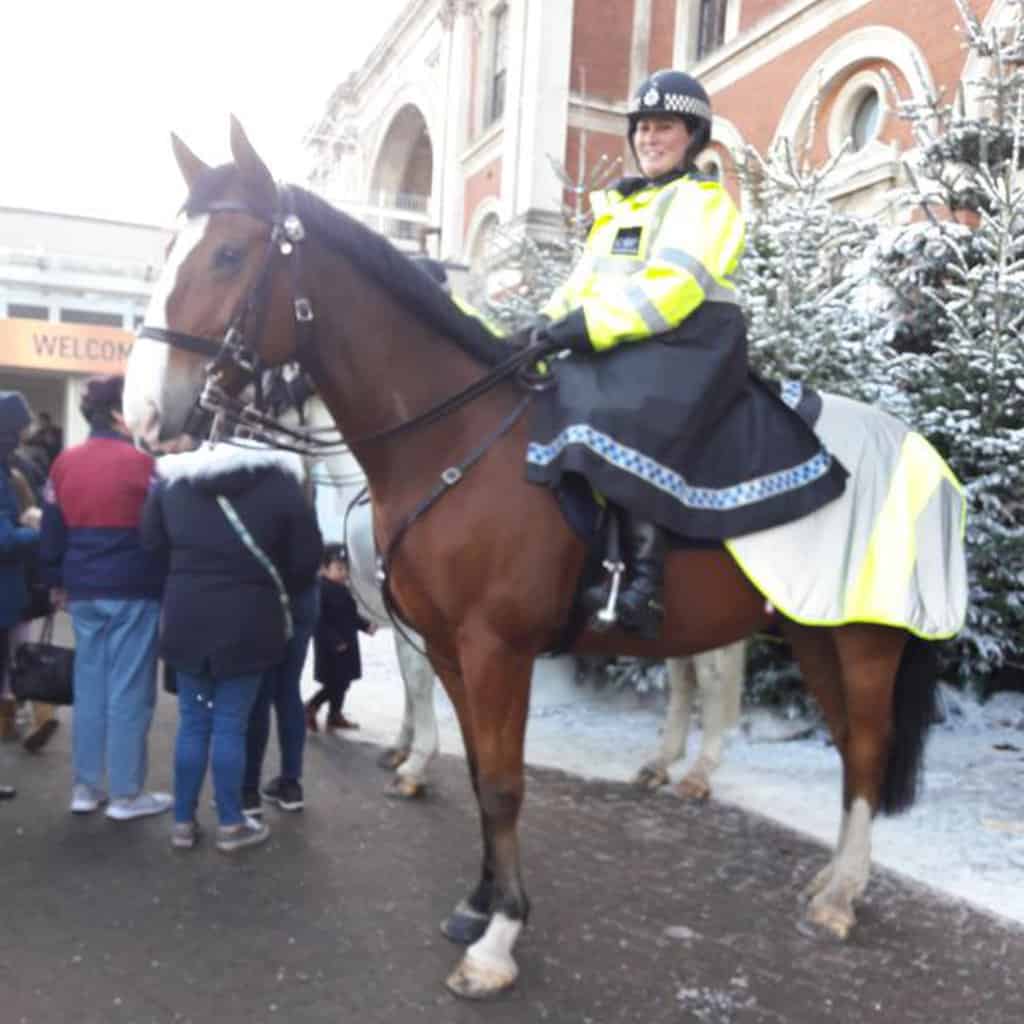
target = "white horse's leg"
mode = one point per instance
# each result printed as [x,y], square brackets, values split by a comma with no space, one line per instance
[720,682]
[681,680]
[846,878]
[418,737]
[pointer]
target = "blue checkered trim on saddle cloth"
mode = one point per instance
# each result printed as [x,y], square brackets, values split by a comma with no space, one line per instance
[670,482]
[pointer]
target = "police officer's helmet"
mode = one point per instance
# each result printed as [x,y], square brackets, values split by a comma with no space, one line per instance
[677,94]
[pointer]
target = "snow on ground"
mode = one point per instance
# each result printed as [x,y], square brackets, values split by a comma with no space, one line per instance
[965,836]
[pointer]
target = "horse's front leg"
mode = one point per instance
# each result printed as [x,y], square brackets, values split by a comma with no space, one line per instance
[419,725]
[497,682]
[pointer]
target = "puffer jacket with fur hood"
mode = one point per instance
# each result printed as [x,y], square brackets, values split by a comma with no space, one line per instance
[222,614]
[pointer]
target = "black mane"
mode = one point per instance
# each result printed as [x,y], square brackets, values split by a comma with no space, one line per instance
[373,255]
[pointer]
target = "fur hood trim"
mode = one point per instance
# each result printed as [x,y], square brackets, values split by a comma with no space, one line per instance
[210,462]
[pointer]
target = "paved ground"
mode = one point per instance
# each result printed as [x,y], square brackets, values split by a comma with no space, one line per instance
[645,910]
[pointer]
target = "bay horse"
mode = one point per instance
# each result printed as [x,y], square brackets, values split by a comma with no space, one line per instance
[482,564]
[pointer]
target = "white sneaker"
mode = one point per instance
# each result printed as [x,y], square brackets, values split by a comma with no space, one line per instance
[85,799]
[140,806]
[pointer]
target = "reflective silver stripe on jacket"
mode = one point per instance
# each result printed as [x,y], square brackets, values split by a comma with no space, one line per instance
[713,291]
[647,310]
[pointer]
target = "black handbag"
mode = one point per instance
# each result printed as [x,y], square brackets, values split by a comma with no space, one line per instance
[43,671]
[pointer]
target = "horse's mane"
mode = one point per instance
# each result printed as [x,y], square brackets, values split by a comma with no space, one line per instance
[373,255]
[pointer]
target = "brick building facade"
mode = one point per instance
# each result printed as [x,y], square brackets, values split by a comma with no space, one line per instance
[450,126]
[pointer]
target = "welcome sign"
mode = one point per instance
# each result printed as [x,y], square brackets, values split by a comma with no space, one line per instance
[64,348]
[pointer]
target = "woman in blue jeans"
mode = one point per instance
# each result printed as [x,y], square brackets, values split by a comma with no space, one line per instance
[240,536]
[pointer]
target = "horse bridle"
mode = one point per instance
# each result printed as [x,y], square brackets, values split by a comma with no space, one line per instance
[238,349]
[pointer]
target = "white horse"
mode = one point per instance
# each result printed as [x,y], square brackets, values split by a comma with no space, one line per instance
[718,676]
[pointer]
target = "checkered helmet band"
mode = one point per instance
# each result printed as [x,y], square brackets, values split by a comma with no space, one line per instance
[670,102]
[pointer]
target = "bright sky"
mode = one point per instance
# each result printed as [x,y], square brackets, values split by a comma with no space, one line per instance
[90,91]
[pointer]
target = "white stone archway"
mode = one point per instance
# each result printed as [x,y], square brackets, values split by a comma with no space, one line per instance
[401,172]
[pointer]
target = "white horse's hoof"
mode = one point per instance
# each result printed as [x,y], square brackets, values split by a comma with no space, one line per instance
[391,758]
[403,788]
[651,777]
[693,787]
[832,914]
[478,979]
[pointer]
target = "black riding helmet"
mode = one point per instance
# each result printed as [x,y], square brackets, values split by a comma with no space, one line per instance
[679,95]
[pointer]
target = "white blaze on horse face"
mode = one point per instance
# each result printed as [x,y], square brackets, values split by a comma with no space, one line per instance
[153,402]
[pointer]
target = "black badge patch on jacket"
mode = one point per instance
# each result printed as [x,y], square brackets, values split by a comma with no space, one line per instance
[627,242]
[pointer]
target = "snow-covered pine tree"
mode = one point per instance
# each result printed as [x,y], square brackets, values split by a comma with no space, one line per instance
[956,276]
[800,280]
[801,273]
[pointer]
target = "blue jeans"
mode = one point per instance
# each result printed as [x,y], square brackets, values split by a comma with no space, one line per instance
[212,713]
[115,691]
[280,686]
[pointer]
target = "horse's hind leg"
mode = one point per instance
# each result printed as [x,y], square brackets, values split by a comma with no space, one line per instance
[398,752]
[681,680]
[720,682]
[865,661]
[497,689]
[419,725]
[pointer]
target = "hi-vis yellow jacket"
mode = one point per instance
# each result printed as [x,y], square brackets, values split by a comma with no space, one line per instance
[651,259]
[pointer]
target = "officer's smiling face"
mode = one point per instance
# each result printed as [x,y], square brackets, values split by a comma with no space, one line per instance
[660,143]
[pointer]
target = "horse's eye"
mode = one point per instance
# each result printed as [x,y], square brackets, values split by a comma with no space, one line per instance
[228,257]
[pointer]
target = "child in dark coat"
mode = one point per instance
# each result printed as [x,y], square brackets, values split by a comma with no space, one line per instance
[336,641]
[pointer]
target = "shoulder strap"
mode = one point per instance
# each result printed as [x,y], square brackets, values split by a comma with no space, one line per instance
[261,556]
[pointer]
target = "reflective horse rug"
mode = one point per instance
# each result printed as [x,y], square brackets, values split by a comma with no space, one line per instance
[889,550]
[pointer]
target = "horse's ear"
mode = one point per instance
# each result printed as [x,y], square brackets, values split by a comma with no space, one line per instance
[251,167]
[189,164]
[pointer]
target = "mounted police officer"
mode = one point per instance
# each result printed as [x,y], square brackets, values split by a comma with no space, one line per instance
[656,406]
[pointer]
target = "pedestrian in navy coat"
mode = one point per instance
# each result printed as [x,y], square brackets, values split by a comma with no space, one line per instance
[336,641]
[241,539]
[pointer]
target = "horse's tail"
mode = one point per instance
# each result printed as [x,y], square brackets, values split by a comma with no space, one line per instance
[913,711]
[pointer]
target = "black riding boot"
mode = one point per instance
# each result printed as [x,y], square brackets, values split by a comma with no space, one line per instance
[640,604]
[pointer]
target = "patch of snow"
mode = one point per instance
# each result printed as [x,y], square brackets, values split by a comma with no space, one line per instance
[965,835]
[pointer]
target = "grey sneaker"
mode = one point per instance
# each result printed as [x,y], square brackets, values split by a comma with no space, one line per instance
[236,837]
[141,806]
[85,799]
[185,835]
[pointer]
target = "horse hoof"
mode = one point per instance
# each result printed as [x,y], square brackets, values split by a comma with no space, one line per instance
[473,979]
[391,758]
[827,917]
[693,788]
[403,788]
[651,777]
[464,925]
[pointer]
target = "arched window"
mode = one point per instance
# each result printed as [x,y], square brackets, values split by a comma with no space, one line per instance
[867,116]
